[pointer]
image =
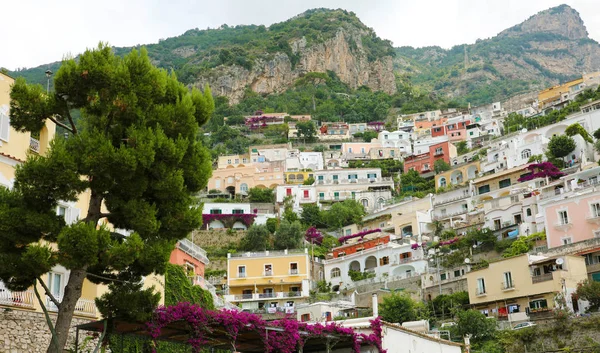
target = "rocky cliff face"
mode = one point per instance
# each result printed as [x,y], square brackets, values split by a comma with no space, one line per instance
[562,20]
[276,74]
[550,47]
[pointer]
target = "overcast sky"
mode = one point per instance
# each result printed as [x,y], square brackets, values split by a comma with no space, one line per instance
[36,32]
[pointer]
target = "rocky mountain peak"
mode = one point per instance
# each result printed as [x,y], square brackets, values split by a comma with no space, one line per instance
[562,20]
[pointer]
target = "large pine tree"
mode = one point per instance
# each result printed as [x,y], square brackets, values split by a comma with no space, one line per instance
[133,150]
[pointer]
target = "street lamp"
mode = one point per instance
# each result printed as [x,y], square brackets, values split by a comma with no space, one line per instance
[48,75]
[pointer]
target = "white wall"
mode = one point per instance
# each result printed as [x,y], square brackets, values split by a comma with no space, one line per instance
[398,341]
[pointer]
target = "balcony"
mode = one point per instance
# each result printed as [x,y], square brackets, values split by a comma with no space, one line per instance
[262,296]
[593,218]
[592,268]
[293,271]
[18,299]
[83,307]
[541,278]
[268,273]
[34,145]
[508,286]
[480,292]
[241,275]
[193,250]
[438,153]
[448,215]
[563,225]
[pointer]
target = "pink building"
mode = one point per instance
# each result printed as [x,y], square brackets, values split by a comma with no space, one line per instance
[192,257]
[574,218]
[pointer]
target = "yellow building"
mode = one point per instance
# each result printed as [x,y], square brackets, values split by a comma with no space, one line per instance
[298,177]
[559,93]
[270,280]
[458,175]
[524,287]
[490,186]
[15,147]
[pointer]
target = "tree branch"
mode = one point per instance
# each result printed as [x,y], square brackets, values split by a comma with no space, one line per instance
[58,123]
[74,131]
[49,293]
[47,316]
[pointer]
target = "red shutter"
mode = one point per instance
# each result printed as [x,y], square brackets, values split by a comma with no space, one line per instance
[288,192]
[305,194]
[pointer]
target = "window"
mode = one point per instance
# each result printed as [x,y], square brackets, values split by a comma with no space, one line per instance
[268,270]
[517,218]
[495,203]
[525,154]
[365,203]
[335,272]
[563,217]
[244,187]
[442,182]
[497,224]
[566,240]
[384,261]
[336,195]
[294,269]
[504,183]
[305,194]
[305,317]
[480,286]
[456,273]
[237,161]
[508,282]
[55,284]
[217,183]
[528,212]
[335,177]
[392,153]
[439,150]
[352,176]
[595,209]
[4,126]
[321,195]
[237,211]
[241,271]
[514,199]
[288,191]
[348,231]
[61,211]
[320,178]
[443,277]
[229,161]
[244,160]
[484,189]
[538,304]
[216,211]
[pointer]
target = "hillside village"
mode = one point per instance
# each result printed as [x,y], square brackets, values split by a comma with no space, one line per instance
[358,236]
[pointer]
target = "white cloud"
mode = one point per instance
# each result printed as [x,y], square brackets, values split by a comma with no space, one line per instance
[39,31]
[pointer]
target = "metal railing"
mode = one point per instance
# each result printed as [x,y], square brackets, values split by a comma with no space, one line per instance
[452,199]
[34,145]
[293,271]
[270,253]
[258,296]
[457,213]
[508,285]
[542,278]
[268,273]
[193,250]
[20,299]
[84,307]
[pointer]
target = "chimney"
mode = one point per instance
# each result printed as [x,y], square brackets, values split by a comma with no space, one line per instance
[375,305]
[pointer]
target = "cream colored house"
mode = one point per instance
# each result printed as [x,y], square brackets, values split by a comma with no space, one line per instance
[525,287]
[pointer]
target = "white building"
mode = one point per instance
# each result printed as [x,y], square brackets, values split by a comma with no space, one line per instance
[296,161]
[398,139]
[422,145]
[233,209]
[392,258]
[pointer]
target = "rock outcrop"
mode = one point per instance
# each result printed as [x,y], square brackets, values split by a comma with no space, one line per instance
[349,62]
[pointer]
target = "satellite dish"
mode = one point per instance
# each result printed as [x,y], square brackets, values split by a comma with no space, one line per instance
[467,261]
[560,261]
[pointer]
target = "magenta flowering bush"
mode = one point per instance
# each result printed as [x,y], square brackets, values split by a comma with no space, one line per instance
[292,334]
[542,170]
[256,122]
[229,219]
[313,236]
[360,235]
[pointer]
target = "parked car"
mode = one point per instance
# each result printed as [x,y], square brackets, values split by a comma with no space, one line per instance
[523,325]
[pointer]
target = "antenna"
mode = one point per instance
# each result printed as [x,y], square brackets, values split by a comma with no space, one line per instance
[560,261]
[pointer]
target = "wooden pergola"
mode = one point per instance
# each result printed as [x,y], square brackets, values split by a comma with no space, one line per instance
[179,332]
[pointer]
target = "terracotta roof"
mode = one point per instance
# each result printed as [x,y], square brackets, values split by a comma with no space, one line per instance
[11,157]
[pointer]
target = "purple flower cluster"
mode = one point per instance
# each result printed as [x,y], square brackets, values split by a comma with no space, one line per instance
[360,235]
[255,122]
[542,170]
[448,242]
[313,236]
[202,323]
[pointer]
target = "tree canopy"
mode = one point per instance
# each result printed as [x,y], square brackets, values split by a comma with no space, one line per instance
[561,145]
[136,154]
[344,213]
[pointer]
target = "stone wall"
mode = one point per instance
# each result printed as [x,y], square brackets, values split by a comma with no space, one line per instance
[217,237]
[26,332]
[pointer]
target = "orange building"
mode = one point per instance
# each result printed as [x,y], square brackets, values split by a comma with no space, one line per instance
[192,257]
[349,249]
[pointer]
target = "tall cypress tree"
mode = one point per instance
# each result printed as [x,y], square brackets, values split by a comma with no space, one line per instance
[133,151]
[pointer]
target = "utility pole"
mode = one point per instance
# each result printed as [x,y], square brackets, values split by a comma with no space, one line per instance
[48,75]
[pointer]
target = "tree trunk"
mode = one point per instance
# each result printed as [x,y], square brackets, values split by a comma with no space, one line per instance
[74,285]
[66,309]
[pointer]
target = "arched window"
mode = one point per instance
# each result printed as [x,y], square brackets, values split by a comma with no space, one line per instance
[244,187]
[442,182]
[365,202]
[525,154]
[335,272]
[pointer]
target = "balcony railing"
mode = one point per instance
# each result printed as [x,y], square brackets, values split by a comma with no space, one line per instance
[259,296]
[542,278]
[508,285]
[452,199]
[447,215]
[593,218]
[19,299]
[193,250]
[293,271]
[268,273]
[34,145]
[82,307]
[241,275]
[563,225]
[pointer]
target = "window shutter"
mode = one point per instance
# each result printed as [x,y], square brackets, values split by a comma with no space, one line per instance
[4,126]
